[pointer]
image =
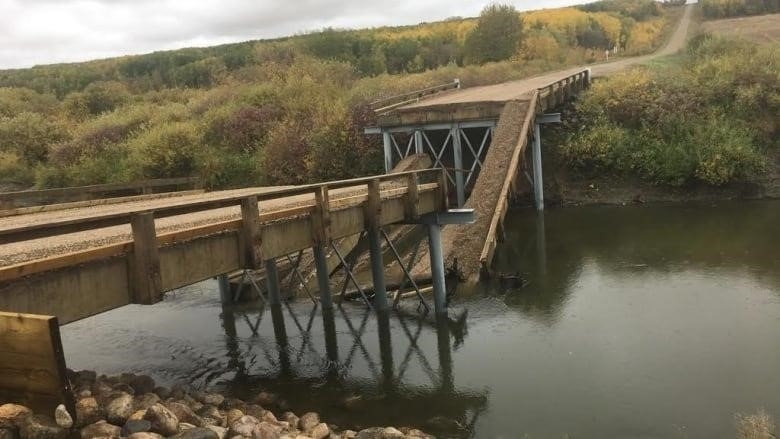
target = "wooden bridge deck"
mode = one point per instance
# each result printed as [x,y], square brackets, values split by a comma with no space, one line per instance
[107,268]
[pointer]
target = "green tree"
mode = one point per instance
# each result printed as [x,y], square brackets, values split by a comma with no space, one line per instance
[496,36]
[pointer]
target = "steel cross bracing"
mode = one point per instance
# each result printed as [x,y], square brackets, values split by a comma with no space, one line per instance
[455,151]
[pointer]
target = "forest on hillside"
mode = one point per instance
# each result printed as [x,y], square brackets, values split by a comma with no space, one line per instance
[284,111]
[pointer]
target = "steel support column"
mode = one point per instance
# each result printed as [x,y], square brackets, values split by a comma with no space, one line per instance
[323,276]
[224,289]
[460,185]
[377,269]
[437,268]
[537,166]
[419,147]
[272,282]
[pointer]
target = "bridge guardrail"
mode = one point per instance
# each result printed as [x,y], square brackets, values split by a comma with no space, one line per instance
[387,104]
[413,181]
[11,200]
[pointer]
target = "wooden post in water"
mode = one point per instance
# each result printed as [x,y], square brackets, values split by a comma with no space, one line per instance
[146,279]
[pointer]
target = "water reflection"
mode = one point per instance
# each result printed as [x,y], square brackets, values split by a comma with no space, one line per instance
[634,240]
[638,322]
[403,376]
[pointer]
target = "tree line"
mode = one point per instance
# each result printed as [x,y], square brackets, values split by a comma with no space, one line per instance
[283,111]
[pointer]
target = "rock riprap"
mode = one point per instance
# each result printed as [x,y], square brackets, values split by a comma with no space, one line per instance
[134,407]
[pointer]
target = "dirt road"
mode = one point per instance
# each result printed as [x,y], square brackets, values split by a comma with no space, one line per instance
[508,91]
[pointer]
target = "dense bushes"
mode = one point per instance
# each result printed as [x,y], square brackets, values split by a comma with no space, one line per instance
[712,119]
[735,8]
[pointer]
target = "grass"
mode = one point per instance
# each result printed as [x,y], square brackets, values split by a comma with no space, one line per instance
[759,29]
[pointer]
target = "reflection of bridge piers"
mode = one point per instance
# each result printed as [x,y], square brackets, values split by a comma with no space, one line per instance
[356,377]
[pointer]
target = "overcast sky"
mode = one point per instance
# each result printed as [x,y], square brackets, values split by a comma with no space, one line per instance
[50,31]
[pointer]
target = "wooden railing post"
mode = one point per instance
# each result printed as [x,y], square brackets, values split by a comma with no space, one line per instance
[412,200]
[320,218]
[146,278]
[250,234]
[320,222]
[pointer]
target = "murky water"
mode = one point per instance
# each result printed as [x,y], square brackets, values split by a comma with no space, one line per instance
[651,321]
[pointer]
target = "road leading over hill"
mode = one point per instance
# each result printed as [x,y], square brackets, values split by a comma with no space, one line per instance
[509,137]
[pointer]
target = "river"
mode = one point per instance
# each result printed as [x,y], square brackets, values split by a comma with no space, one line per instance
[637,322]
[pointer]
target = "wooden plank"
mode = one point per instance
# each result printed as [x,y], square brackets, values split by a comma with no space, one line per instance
[145,276]
[70,293]
[200,259]
[62,261]
[32,364]
[373,207]
[412,197]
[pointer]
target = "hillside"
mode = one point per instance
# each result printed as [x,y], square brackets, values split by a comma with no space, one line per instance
[282,111]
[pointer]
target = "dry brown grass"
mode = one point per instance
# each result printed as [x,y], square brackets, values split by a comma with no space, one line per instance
[761,28]
[756,426]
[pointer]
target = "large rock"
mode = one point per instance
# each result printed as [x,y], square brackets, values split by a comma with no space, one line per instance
[265,399]
[163,420]
[208,398]
[233,415]
[141,384]
[266,430]
[144,401]
[308,421]
[221,432]
[62,417]
[197,433]
[320,431]
[255,410]
[209,411]
[88,411]
[146,435]
[119,408]
[162,392]
[243,426]
[100,429]
[12,414]
[379,433]
[184,413]
[41,427]
[136,426]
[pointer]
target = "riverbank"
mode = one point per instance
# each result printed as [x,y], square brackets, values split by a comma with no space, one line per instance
[133,406]
[565,187]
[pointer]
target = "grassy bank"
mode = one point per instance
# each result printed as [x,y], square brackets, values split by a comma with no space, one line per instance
[699,125]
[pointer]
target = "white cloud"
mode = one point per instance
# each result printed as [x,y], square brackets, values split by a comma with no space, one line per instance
[51,31]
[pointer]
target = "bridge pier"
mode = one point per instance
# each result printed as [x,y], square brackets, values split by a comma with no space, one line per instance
[272,281]
[224,289]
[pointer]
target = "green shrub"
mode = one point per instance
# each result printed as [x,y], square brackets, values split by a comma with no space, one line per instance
[13,170]
[169,150]
[28,136]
